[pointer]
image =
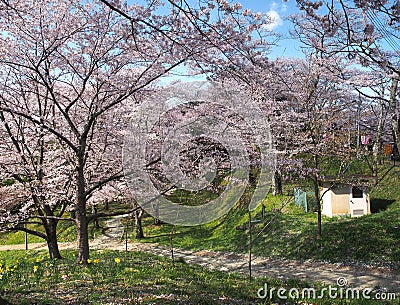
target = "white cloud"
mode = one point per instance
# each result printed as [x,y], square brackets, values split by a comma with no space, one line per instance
[273,6]
[275,19]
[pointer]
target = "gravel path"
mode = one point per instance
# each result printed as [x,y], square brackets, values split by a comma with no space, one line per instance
[284,269]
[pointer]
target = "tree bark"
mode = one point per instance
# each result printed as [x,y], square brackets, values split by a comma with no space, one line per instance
[138,223]
[319,212]
[96,224]
[81,217]
[83,237]
[277,184]
[377,144]
[393,114]
[317,198]
[50,226]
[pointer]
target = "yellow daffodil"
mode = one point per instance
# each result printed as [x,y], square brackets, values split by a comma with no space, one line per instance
[117,260]
[35,268]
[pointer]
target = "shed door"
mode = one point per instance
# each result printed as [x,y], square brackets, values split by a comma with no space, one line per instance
[358,202]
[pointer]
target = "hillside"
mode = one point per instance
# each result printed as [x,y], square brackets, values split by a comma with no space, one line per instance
[371,239]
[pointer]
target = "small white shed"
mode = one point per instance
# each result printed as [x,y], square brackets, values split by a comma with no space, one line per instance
[345,198]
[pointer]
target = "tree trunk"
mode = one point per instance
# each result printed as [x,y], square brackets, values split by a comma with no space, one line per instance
[317,198]
[377,144]
[50,226]
[96,224]
[393,113]
[157,220]
[81,217]
[318,201]
[138,223]
[277,184]
[83,237]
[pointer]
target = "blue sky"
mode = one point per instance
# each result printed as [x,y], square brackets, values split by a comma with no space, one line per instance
[278,11]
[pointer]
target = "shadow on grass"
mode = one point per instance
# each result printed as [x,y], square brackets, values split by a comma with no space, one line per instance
[378,204]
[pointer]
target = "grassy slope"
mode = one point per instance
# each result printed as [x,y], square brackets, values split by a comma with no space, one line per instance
[371,239]
[66,230]
[130,278]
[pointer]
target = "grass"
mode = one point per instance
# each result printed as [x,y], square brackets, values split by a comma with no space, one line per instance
[66,230]
[137,278]
[114,277]
[371,239]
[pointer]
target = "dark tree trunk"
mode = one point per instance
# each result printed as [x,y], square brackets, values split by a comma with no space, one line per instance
[50,226]
[317,198]
[377,144]
[83,237]
[277,184]
[138,223]
[394,114]
[318,202]
[81,217]
[95,219]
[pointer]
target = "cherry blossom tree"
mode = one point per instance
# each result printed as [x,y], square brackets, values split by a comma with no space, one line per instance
[39,189]
[308,104]
[89,63]
[320,100]
[366,31]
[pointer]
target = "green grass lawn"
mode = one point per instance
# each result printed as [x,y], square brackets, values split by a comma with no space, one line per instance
[114,277]
[371,239]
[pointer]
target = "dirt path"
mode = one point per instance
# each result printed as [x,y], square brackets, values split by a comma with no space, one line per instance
[232,262]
